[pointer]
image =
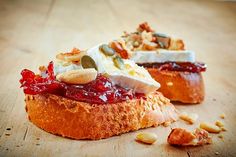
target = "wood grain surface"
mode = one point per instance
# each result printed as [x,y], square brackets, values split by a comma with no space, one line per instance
[32,32]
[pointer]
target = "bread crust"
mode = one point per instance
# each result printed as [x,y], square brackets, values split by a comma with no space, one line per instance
[185,87]
[80,120]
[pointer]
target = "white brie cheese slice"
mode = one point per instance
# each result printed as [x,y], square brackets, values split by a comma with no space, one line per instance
[139,80]
[162,55]
[59,67]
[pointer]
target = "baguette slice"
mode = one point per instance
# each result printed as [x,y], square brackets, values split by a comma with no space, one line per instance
[185,87]
[79,120]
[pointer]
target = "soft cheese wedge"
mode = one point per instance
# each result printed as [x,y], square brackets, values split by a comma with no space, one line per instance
[130,76]
[123,72]
[162,55]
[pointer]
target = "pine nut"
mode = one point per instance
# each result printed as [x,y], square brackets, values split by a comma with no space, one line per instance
[190,118]
[148,138]
[210,127]
[219,124]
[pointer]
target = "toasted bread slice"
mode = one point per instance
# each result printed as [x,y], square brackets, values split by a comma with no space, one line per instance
[80,120]
[185,87]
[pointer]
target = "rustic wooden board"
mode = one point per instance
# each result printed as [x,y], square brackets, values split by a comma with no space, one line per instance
[32,32]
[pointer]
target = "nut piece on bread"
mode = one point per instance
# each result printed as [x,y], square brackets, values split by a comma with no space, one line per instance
[80,120]
[79,76]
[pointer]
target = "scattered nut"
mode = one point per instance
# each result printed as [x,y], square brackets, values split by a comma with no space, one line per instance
[221,136]
[223,129]
[166,124]
[182,137]
[42,68]
[219,124]
[176,44]
[74,55]
[147,45]
[148,138]
[190,118]
[222,116]
[179,136]
[210,127]
[80,76]
[119,48]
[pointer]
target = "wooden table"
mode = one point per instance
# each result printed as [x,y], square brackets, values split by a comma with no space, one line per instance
[32,32]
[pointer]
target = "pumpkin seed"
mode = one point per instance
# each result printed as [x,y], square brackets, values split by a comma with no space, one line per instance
[88,62]
[161,44]
[160,35]
[119,63]
[108,51]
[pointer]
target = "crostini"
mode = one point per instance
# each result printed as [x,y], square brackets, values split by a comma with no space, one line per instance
[94,94]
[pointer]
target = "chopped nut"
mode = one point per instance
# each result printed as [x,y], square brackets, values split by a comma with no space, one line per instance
[222,116]
[148,138]
[166,124]
[42,68]
[223,129]
[74,55]
[221,136]
[219,123]
[144,26]
[210,127]
[147,45]
[176,44]
[190,118]
[182,137]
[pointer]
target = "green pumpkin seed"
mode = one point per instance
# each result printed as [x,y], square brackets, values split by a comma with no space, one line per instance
[160,35]
[162,45]
[88,62]
[108,51]
[119,63]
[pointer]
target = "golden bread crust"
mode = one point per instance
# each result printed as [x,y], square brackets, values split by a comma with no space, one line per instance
[80,120]
[185,87]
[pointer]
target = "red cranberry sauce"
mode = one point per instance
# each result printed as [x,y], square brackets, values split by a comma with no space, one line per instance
[35,84]
[99,91]
[177,66]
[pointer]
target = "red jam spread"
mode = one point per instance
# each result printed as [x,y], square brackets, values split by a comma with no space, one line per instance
[99,91]
[177,66]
